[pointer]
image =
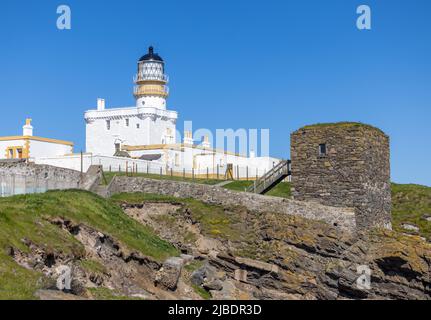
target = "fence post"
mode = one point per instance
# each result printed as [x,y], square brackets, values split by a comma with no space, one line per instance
[172,173]
[208,174]
[110,169]
[119,168]
[218,172]
[247,173]
[127,168]
[148,168]
[184,173]
[161,171]
[193,174]
[82,164]
[13,185]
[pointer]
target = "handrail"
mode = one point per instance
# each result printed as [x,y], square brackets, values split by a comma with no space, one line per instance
[279,171]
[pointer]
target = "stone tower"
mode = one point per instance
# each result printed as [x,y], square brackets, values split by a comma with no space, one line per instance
[344,164]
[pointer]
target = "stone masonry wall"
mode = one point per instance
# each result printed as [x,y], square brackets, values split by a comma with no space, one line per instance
[64,178]
[355,172]
[341,217]
[42,171]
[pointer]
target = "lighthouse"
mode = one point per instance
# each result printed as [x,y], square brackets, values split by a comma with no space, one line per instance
[151,90]
[147,123]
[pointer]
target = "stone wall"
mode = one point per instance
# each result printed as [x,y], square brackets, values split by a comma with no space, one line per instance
[355,172]
[341,217]
[41,171]
[19,177]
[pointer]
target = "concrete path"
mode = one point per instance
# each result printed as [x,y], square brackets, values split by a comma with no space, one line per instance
[222,184]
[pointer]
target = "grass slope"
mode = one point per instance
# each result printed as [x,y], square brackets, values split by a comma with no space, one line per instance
[110,175]
[27,217]
[281,190]
[214,220]
[411,204]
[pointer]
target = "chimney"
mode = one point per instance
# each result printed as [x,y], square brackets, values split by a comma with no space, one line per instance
[188,138]
[100,104]
[206,143]
[27,129]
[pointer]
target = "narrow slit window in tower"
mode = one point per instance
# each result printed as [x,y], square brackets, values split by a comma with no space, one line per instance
[322,150]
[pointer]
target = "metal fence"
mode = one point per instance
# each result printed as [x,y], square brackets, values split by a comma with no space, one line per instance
[15,184]
[213,173]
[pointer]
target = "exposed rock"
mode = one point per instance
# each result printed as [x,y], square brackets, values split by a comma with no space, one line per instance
[213,285]
[204,274]
[169,274]
[410,227]
[56,295]
[273,257]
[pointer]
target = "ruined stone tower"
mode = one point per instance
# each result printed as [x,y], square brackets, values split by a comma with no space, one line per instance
[344,164]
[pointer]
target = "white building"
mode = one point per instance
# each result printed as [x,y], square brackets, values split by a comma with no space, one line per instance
[27,146]
[141,138]
[147,131]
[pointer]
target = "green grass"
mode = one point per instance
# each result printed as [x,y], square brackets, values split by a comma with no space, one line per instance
[93,266]
[281,190]
[214,220]
[18,283]
[110,175]
[27,217]
[410,203]
[202,292]
[194,265]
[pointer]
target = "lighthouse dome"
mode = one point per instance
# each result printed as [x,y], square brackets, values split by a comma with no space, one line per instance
[151,56]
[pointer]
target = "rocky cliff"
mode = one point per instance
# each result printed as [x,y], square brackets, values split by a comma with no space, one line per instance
[141,246]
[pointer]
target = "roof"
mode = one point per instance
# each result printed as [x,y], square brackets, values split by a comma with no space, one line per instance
[34,138]
[122,154]
[344,124]
[151,157]
[151,56]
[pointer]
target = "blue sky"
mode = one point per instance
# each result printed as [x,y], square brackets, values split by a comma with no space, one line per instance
[232,64]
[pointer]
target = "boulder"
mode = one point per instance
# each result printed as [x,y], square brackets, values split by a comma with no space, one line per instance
[203,275]
[168,276]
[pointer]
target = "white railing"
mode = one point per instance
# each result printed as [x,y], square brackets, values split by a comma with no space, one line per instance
[150,77]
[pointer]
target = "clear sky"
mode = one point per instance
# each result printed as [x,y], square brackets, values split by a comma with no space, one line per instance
[232,64]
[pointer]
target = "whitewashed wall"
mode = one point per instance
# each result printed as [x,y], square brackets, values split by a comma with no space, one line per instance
[109,163]
[48,149]
[10,143]
[147,125]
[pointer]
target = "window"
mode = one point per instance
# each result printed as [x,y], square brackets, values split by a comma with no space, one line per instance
[137,126]
[117,147]
[322,150]
[108,125]
[127,122]
[19,151]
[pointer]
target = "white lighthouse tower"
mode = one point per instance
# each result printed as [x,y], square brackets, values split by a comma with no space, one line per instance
[151,88]
[148,123]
